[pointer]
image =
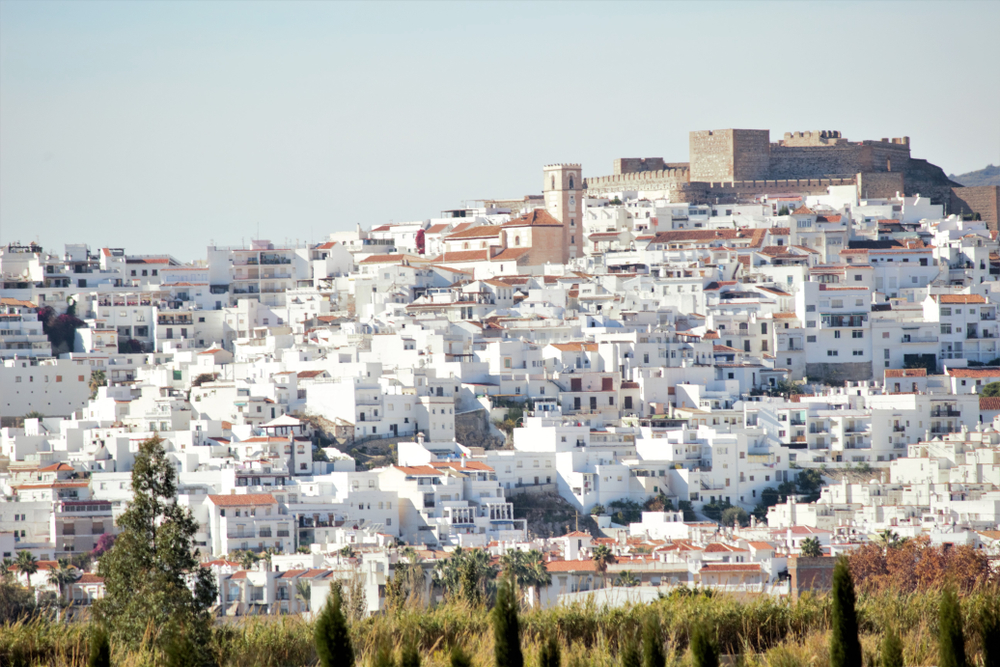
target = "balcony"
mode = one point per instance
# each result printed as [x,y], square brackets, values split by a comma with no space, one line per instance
[898,429]
[946,413]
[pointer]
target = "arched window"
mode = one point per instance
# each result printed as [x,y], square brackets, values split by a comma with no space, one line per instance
[517,240]
[553,183]
[465,246]
[571,181]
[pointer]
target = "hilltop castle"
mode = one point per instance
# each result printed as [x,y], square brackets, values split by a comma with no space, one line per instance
[730,165]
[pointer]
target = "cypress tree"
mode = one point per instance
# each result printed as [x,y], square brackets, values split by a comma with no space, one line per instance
[409,657]
[845,647]
[100,649]
[652,643]
[548,653]
[459,658]
[630,653]
[333,641]
[990,635]
[951,639]
[703,650]
[892,649]
[506,629]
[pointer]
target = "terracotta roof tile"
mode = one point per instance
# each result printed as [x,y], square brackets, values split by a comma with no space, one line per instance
[240,500]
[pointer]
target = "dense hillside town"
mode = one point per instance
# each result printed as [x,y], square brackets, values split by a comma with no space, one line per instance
[708,373]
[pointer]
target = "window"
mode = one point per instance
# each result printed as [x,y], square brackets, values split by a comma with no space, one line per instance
[858,353]
[857,334]
[836,334]
[810,308]
[810,339]
[831,353]
[857,277]
[837,303]
[946,328]
[885,334]
[945,312]
[886,351]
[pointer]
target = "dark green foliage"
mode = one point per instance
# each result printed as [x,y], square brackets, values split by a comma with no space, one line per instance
[383,656]
[951,638]
[630,653]
[845,647]
[732,515]
[990,636]
[991,390]
[409,656]
[459,658]
[146,572]
[506,627]
[652,643]
[658,503]
[892,649]
[549,654]
[703,649]
[624,512]
[783,211]
[100,649]
[16,602]
[333,639]
[811,548]
[687,508]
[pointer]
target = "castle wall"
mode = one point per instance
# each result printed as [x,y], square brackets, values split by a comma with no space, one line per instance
[982,199]
[633,165]
[880,185]
[729,155]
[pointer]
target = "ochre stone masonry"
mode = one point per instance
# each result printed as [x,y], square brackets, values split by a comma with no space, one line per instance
[981,199]
[727,165]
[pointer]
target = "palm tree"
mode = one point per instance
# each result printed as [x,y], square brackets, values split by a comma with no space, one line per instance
[540,575]
[627,579]
[97,379]
[5,569]
[347,551]
[603,557]
[810,548]
[62,576]
[27,564]
[303,592]
[890,539]
[247,559]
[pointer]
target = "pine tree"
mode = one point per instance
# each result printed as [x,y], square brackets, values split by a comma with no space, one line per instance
[333,640]
[459,658]
[845,647]
[652,643]
[100,649]
[630,652]
[892,649]
[409,657]
[148,570]
[703,650]
[951,639]
[506,628]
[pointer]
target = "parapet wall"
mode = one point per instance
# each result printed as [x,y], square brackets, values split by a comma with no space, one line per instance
[668,179]
[880,185]
[982,199]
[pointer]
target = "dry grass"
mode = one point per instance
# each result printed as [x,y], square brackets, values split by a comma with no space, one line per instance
[760,632]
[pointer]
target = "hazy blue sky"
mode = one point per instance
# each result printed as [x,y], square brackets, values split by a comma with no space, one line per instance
[163,126]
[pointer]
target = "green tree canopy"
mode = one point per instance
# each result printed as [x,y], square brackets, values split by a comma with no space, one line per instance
[992,389]
[845,647]
[153,582]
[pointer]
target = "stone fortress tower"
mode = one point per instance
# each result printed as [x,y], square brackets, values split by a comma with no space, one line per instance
[732,165]
[563,192]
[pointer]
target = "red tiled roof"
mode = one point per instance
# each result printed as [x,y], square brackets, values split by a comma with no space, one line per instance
[977,372]
[234,500]
[418,470]
[731,567]
[905,372]
[571,566]
[989,403]
[959,298]
[392,258]
[481,232]
[575,347]
[538,217]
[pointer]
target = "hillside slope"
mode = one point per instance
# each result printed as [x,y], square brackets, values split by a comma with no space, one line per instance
[989,175]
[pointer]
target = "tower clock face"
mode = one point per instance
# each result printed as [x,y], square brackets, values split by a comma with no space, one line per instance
[572,199]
